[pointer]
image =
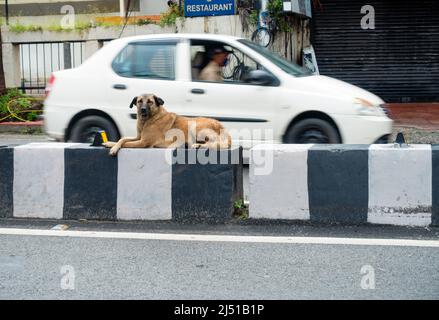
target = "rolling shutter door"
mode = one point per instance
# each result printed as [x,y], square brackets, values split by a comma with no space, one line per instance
[398,60]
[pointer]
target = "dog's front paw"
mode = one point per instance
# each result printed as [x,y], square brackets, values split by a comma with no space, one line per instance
[196,146]
[114,150]
[109,144]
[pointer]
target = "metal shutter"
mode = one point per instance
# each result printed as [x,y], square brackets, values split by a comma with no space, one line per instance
[398,60]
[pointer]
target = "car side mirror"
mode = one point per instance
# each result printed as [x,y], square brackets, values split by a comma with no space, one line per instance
[260,77]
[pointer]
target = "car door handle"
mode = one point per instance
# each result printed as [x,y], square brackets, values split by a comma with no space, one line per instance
[197,91]
[119,86]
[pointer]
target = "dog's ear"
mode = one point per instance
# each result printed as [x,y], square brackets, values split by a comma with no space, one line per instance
[133,103]
[159,101]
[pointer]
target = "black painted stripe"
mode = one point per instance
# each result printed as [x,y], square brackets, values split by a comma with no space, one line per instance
[90,184]
[6,182]
[222,119]
[338,183]
[227,119]
[435,185]
[205,192]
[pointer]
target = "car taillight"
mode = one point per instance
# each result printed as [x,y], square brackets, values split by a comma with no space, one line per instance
[49,85]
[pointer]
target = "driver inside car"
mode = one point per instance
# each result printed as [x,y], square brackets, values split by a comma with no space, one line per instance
[213,70]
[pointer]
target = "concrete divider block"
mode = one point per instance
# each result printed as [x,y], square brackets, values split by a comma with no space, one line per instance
[400,185]
[90,186]
[205,184]
[39,180]
[6,182]
[435,185]
[382,184]
[76,181]
[144,184]
[338,183]
[279,182]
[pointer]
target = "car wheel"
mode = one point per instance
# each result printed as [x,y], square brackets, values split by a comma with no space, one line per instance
[312,130]
[85,129]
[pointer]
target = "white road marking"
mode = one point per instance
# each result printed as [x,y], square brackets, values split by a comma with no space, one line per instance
[222,238]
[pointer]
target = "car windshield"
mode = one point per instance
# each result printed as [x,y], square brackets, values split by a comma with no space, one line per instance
[287,66]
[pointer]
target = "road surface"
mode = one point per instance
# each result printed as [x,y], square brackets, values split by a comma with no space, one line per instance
[234,261]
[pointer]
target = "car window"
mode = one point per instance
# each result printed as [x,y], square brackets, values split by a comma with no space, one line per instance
[235,70]
[146,60]
[285,65]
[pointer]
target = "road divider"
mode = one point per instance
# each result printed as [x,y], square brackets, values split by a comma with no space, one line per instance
[76,181]
[354,184]
[349,184]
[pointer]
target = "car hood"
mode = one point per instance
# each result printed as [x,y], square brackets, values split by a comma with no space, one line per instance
[331,86]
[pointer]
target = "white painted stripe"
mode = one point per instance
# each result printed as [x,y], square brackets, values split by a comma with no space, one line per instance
[39,180]
[279,182]
[46,145]
[144,187]
[400,185]
[222,238]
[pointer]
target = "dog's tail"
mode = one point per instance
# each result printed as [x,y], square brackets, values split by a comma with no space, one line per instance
[219,139]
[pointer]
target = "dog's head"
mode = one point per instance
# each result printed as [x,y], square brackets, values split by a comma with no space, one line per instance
[147,105]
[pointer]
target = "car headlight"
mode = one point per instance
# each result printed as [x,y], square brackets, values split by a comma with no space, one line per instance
[367,108]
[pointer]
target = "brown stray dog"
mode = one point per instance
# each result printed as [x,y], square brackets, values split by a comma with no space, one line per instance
[158,128]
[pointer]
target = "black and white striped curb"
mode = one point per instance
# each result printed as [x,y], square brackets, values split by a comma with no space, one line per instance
[382,184]
[75,181]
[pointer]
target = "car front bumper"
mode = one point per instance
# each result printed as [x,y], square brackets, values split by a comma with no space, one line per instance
[356,129]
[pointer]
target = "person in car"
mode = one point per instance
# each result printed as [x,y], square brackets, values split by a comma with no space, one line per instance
[212,71]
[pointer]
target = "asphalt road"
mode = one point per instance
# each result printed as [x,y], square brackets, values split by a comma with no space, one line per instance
[40,266]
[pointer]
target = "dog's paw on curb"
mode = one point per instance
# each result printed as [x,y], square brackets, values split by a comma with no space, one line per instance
[196,146]
[113,151]
[109,144]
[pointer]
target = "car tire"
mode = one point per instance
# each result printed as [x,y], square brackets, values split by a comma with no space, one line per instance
[85,129]
[312,130]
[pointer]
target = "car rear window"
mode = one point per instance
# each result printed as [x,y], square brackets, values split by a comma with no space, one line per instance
[146,60]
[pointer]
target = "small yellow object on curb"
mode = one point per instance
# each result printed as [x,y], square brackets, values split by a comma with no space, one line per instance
[60,227]
[100,138]
[104,136]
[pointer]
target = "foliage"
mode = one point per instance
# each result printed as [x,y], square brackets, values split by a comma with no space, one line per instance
[143,22]
[281,21]
[247,13]
[240,209]
[82,26]
[79,26]
[106,24]
[15,105]
[19,28]
[253,17]
[170,16]
[57,28]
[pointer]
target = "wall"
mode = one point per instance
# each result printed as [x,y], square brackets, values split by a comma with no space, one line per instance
[48,13]
[153,7]
[48,7]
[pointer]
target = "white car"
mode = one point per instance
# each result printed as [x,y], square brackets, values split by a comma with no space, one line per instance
[262,99]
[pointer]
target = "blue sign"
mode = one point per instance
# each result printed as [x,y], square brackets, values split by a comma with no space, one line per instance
[202,8]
